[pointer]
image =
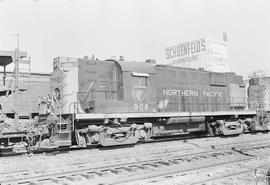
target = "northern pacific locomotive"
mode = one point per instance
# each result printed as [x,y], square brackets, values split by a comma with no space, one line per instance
[118,102]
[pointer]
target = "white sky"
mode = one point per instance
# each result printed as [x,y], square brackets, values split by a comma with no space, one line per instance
[137,29]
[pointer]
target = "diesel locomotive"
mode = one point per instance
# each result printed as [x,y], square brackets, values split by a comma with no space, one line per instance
[109,102]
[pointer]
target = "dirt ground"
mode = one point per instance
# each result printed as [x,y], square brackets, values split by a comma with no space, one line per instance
[60,162]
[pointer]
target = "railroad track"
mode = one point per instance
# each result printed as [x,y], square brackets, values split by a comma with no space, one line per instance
[232,175]
[223,173]
[8,152]
[134,171]
[143,151]
[236,161]
[131,171]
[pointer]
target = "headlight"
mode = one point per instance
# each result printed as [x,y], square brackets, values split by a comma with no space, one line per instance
[260,173]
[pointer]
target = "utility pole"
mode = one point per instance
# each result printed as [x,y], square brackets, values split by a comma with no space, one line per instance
[15,57]
[16,71]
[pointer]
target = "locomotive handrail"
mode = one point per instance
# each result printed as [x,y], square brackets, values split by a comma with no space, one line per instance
[73,114]
[213,106]
[54,99]
[92,92]
[89,90]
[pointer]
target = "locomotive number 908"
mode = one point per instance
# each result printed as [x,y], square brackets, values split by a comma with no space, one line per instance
[140,107]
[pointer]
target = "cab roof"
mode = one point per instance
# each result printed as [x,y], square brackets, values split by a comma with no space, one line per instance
[139,67]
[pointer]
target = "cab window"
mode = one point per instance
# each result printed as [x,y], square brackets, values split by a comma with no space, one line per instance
[140,81]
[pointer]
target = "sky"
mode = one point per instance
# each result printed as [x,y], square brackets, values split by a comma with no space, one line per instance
[136,29]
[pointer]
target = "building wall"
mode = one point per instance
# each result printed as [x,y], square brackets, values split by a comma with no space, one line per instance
[30,89]
[206,53]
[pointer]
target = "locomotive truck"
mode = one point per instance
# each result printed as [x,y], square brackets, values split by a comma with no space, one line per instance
[109,102]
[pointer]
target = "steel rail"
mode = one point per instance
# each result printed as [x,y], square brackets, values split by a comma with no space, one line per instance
[4,153]
[155,163]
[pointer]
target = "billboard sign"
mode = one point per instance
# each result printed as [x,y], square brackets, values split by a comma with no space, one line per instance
[208,54]
[217,56]
[186,54]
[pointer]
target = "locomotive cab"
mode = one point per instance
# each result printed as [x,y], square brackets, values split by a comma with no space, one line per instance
[94,86]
